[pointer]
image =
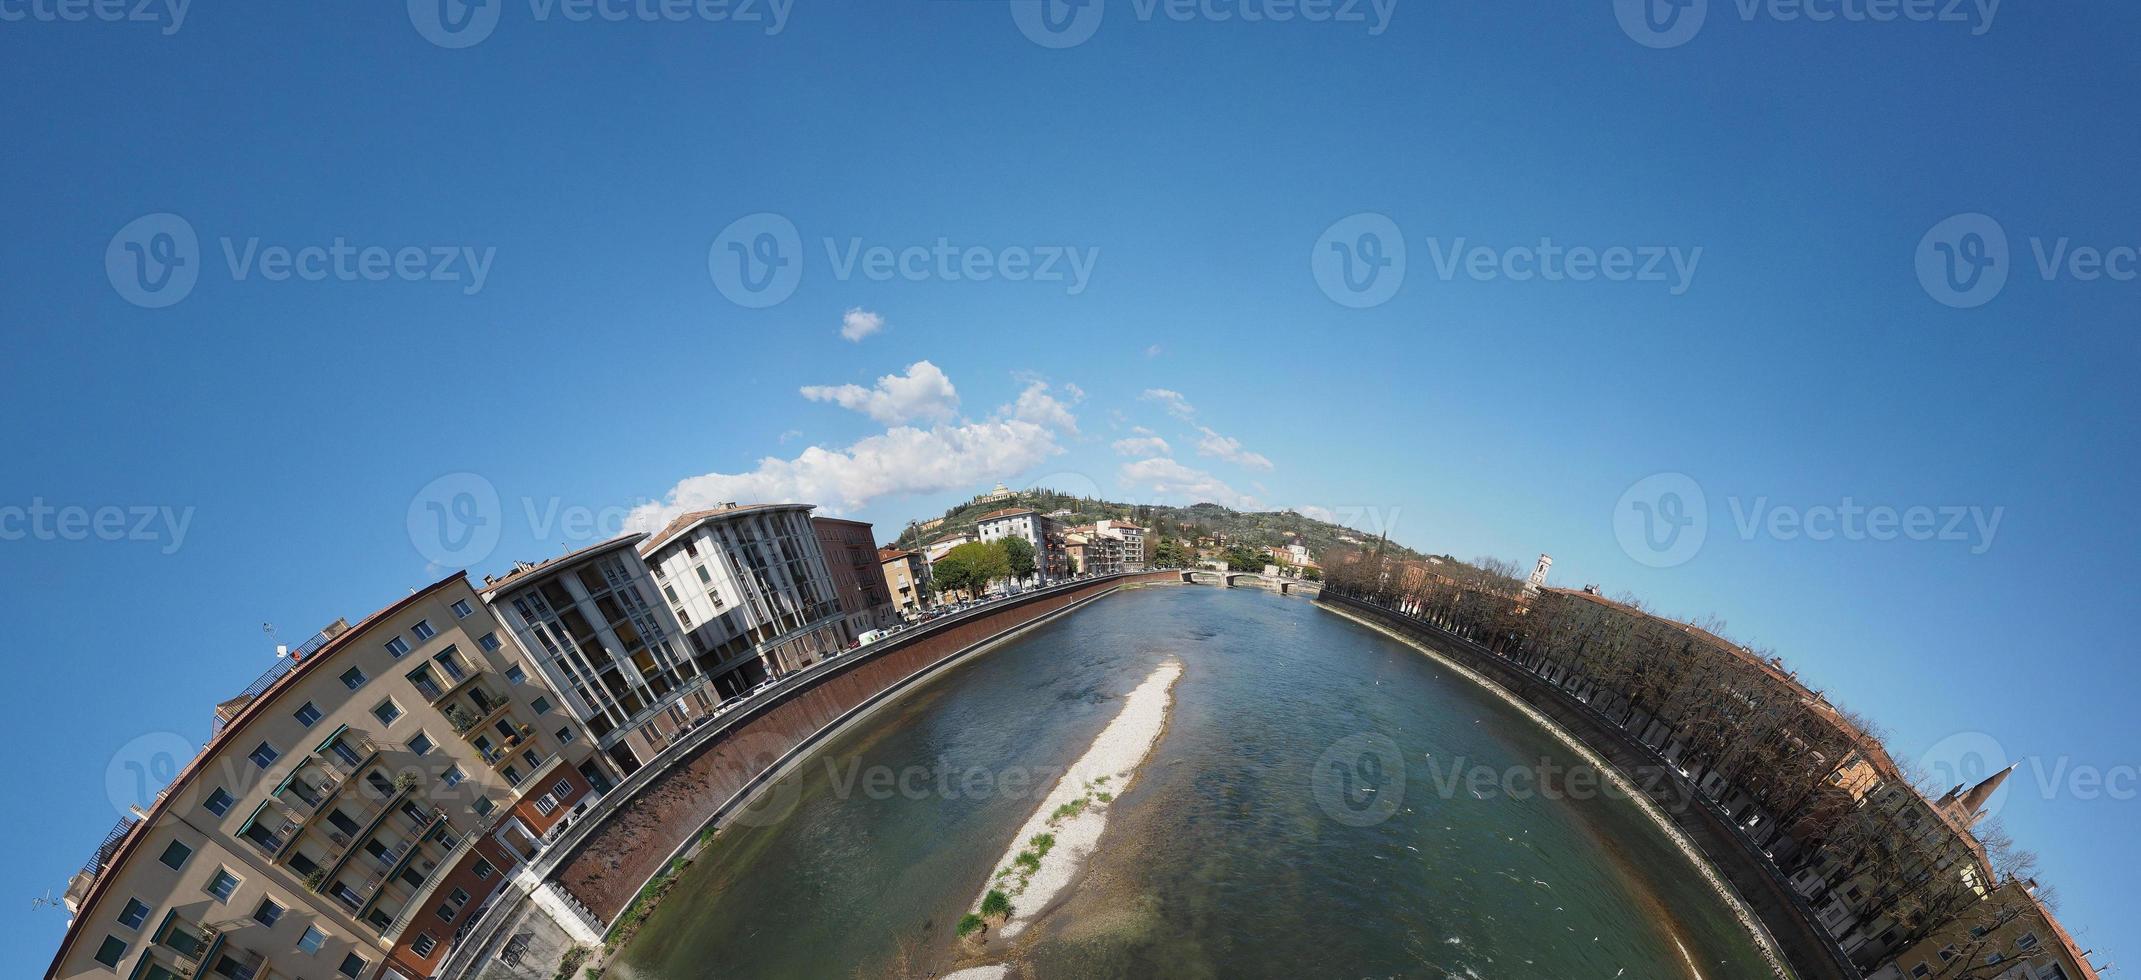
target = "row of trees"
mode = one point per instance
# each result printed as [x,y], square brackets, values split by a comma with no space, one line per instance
[971,568]
[1809,781]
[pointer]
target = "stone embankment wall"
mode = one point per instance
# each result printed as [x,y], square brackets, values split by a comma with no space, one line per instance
[608,866]
[1806,947]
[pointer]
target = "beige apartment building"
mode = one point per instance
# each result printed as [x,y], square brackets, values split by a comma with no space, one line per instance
[2009,936]
[906,578]
[352,809]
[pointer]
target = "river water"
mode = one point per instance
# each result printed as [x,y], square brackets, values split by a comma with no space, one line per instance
[1326,802]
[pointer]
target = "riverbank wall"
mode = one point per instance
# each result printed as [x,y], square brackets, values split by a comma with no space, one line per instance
[659,812]
[1789,924]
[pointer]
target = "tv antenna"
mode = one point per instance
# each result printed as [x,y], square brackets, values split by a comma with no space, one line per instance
[45,902]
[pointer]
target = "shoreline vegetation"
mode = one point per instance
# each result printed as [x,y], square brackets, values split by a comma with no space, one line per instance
[1740,910]
[1050,849]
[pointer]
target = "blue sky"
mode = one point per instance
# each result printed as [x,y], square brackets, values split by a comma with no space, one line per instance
[595,174]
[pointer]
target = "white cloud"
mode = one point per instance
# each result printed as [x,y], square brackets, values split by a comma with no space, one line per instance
[858,323]
[1036,405]
[1168,478]
[1229,449]
[1145,445]
[922,394]
[902,460]
[1174,401]
[1153,351]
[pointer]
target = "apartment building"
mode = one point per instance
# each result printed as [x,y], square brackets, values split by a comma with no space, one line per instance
[943,546]
[750,586]
[1093,551]
[595,624]
[351,810]
[2009,936]
[1050,558]
[906,578]
[1133,539]
[850,550]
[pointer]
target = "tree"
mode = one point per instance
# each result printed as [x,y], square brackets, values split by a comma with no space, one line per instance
[1169,553]
[1018,556]
[1240,559]
[970,568]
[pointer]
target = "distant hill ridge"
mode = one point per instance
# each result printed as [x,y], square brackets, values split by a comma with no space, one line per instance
[1257,529]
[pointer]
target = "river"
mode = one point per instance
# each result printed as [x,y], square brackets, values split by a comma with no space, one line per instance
[1325,802]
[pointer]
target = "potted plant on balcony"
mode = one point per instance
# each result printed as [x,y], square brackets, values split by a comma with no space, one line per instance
[459,719]
[317,878]
[405,782]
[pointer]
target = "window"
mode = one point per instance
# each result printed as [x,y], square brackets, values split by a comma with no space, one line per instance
[2027,942]
[264,755]
[445,912]
[483,806]
[311,941]
[453,776]
[1921,970]
[1947,953]
[516,674]
[268,912]
[134,914]
[386,711]
[458,898]
[308,716]
[424,945]
[223,885]
[352,965]
[218,802]
[541,706]
[174,857]
[421,744]
[512,776]
[398,647]
[423,629]
[547,805]
[484,869]
[353,678]
[703,577]
[565,736]
[110,952]
[489,642]
[462,610]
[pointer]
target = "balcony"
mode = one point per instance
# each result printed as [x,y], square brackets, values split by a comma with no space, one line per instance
[308,788]
[442,678]
[346,752]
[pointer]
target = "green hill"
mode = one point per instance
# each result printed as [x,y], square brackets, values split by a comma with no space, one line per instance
[1256,529]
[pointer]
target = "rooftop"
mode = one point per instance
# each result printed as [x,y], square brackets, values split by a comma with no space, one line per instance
[690,519]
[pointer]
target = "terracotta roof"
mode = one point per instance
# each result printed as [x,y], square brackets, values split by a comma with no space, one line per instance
[1006,512]
[889,553]
[687,520]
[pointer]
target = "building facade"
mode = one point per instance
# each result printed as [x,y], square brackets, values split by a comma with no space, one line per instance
[1133,539]
[751,589]
[2009,936]
[850,550]
[1051,559]
[1093,551]
[906,579]
[595,623]
[353,808]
